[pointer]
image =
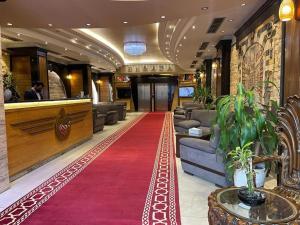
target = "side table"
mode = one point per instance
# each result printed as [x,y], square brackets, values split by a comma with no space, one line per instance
[225,208]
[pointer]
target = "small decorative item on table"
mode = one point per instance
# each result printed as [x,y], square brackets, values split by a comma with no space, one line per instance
[225,208]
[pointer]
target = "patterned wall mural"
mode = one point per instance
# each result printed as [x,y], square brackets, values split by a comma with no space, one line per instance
[257,58]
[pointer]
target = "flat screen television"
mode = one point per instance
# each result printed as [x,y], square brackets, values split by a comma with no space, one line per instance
[123,93]
[186,92]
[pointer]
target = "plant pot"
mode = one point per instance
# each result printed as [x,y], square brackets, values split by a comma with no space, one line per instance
[253,199]
[240,178]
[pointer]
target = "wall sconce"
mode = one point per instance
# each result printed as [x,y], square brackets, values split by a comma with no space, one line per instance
[69,77]
[214,65]
[99,82]
[287,10]
[202,75]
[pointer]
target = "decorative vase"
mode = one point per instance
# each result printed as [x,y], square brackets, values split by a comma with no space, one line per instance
[240,178]
[251,199]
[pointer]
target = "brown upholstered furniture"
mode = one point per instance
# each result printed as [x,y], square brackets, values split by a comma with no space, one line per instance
[98,120]
[111,116]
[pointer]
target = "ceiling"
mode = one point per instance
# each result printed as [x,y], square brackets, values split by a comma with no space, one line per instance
[94,31]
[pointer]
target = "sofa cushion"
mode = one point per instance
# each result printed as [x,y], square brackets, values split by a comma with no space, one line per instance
[199,144]
[179,116]
[206,117]
[215,137]
[179,112]
[187,124]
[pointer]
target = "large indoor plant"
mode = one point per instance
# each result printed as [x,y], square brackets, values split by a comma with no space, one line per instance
[242,119]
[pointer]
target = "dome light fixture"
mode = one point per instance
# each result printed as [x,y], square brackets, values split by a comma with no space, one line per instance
[287,10]
[135,48]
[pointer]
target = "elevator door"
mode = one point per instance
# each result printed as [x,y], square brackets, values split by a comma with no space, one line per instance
[161,97]
[144,97]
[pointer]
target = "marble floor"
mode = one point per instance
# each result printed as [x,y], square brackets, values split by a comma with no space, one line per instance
[193,191]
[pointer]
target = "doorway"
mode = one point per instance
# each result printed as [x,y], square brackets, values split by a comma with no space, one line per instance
[153,97]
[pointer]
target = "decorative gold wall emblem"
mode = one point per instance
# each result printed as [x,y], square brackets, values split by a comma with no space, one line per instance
[63,125]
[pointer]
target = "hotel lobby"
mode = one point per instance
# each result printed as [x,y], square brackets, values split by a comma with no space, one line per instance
[150,112]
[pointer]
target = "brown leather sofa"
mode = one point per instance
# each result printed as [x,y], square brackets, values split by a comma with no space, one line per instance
[98,120]
[111,115]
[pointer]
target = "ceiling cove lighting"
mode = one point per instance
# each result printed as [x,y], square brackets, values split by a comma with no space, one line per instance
[135,48]
[287,10]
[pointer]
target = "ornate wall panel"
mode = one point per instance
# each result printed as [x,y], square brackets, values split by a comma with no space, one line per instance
[257,58]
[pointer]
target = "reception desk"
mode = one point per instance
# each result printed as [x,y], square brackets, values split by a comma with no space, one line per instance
[37,131]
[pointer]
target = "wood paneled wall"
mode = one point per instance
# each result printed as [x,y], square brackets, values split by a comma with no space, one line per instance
[43,74]
[292,59]
[104,89]
[76,83]
[21,70]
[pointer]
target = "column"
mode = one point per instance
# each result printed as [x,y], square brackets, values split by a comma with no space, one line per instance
[4,180]
[224,51]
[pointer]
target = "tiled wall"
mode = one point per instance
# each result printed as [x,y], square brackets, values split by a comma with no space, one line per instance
[4,182]
[257,57]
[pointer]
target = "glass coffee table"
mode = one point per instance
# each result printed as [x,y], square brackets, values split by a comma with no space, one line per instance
[205,136]
[224,205]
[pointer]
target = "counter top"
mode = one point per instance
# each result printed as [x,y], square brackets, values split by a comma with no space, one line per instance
[22,105]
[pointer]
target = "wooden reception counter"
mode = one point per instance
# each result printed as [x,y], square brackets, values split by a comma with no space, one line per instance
[37,131]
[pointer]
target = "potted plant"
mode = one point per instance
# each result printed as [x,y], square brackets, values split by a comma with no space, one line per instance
[9,87]
[242,119]
[242,158]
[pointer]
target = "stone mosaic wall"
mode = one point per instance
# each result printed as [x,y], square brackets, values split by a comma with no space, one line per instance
[56,86]
[4,181]
[257,58]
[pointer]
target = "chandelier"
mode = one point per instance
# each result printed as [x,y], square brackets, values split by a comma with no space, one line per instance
[135,48]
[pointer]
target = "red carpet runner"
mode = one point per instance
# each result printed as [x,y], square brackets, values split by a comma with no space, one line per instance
[133,182]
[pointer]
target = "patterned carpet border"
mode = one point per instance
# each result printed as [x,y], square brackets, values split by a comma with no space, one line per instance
[21,209]
[160,205]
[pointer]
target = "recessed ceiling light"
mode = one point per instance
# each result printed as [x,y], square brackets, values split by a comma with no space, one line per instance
[193,27]
[243,4]
[9,24]
[19,34]
[204,8]
[168,35]
[180,45]
[125,22]
[178,50]
[88,47]
[223,31]
[184,37]
[163,17]
[230,20]
[46,42]
[66,49]
[74,41]
[88,24]
[50,25]
[171,27]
